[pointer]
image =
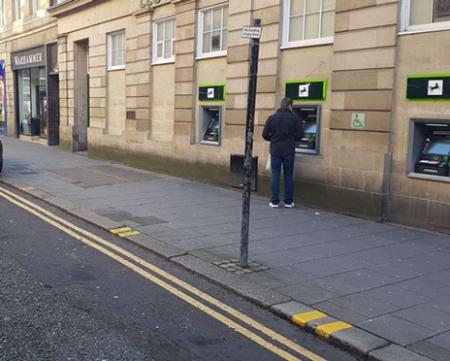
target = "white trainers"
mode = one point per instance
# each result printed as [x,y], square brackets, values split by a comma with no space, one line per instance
[274,205]
[289,205]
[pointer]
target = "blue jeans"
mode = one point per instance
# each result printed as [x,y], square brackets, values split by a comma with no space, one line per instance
[288,174]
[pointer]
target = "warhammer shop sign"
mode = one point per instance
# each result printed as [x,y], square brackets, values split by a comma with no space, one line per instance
[28,58]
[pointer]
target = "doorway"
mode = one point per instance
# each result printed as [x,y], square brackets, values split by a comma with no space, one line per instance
[81,85]
[32,100]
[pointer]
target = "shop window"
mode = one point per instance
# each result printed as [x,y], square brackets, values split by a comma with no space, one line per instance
[32,101]
[164,41]
[425,14]
[116,50]
[211,124]
[310,117]
[431,148]
[308,22]
[213,27]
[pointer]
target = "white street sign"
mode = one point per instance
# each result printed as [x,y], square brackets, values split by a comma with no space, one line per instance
[251,32]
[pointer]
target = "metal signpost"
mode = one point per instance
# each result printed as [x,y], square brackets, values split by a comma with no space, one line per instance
[254,33]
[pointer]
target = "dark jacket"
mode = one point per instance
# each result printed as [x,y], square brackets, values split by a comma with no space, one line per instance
[283,129]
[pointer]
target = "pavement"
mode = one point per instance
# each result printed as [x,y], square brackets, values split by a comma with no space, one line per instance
[381,291]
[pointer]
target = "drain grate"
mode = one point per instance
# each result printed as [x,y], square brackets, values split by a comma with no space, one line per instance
[232,265]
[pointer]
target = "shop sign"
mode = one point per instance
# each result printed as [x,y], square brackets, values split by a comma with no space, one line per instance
[28,58]
[212,92]
[441,8]
[428,87]
[358,120]
[306,90]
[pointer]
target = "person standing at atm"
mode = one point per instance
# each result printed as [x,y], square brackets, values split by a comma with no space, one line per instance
[283,129]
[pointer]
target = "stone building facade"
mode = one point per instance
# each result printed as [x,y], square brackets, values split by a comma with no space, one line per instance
[28,48]
[162,84]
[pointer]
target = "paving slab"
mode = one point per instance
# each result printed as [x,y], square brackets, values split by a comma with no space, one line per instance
[430,350]
[395,353]
[397,330]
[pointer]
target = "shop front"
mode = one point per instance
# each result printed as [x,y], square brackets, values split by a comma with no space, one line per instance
[35,75]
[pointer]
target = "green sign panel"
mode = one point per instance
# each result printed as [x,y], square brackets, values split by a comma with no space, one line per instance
[306,90]
[428,87]
[212,92]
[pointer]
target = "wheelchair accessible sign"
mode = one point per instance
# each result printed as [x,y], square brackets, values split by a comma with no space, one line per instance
[358,120]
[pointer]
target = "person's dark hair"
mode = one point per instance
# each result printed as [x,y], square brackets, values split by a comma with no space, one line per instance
[286,103]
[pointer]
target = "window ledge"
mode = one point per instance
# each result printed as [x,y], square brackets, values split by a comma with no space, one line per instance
[430,177]
[162,62]
[421,31]
[307,43]
[217,54]
[119,67]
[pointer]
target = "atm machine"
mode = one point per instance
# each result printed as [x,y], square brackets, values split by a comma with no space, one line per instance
[434,156]
[310,117]
[211,123]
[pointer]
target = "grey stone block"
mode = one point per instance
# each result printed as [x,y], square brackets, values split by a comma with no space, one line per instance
[291,308]
[307,293]
[395,353]
[340,312]
[427,316]
[396,329]
[397,296]
[430,350]
[357,341]
[365,305]
[442,340]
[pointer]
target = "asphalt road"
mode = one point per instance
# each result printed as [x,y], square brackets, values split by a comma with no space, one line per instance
[61,299]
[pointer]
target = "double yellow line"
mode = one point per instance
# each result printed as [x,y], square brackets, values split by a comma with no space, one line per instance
[223,313]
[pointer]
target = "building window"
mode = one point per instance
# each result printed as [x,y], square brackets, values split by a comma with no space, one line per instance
[425,14]
[34,6]
[213,27]
[17,10]
[116,50]
[2,14]
[164,41]
[308,22]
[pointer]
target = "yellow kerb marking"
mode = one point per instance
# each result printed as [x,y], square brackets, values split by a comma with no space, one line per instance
[128,234]
[120,230]
[303,318]
[327,329]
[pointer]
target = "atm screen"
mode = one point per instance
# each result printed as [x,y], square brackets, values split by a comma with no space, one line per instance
[311,128]
[439,147]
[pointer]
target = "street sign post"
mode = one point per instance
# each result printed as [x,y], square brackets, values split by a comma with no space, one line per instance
[251,32]
[254,33]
